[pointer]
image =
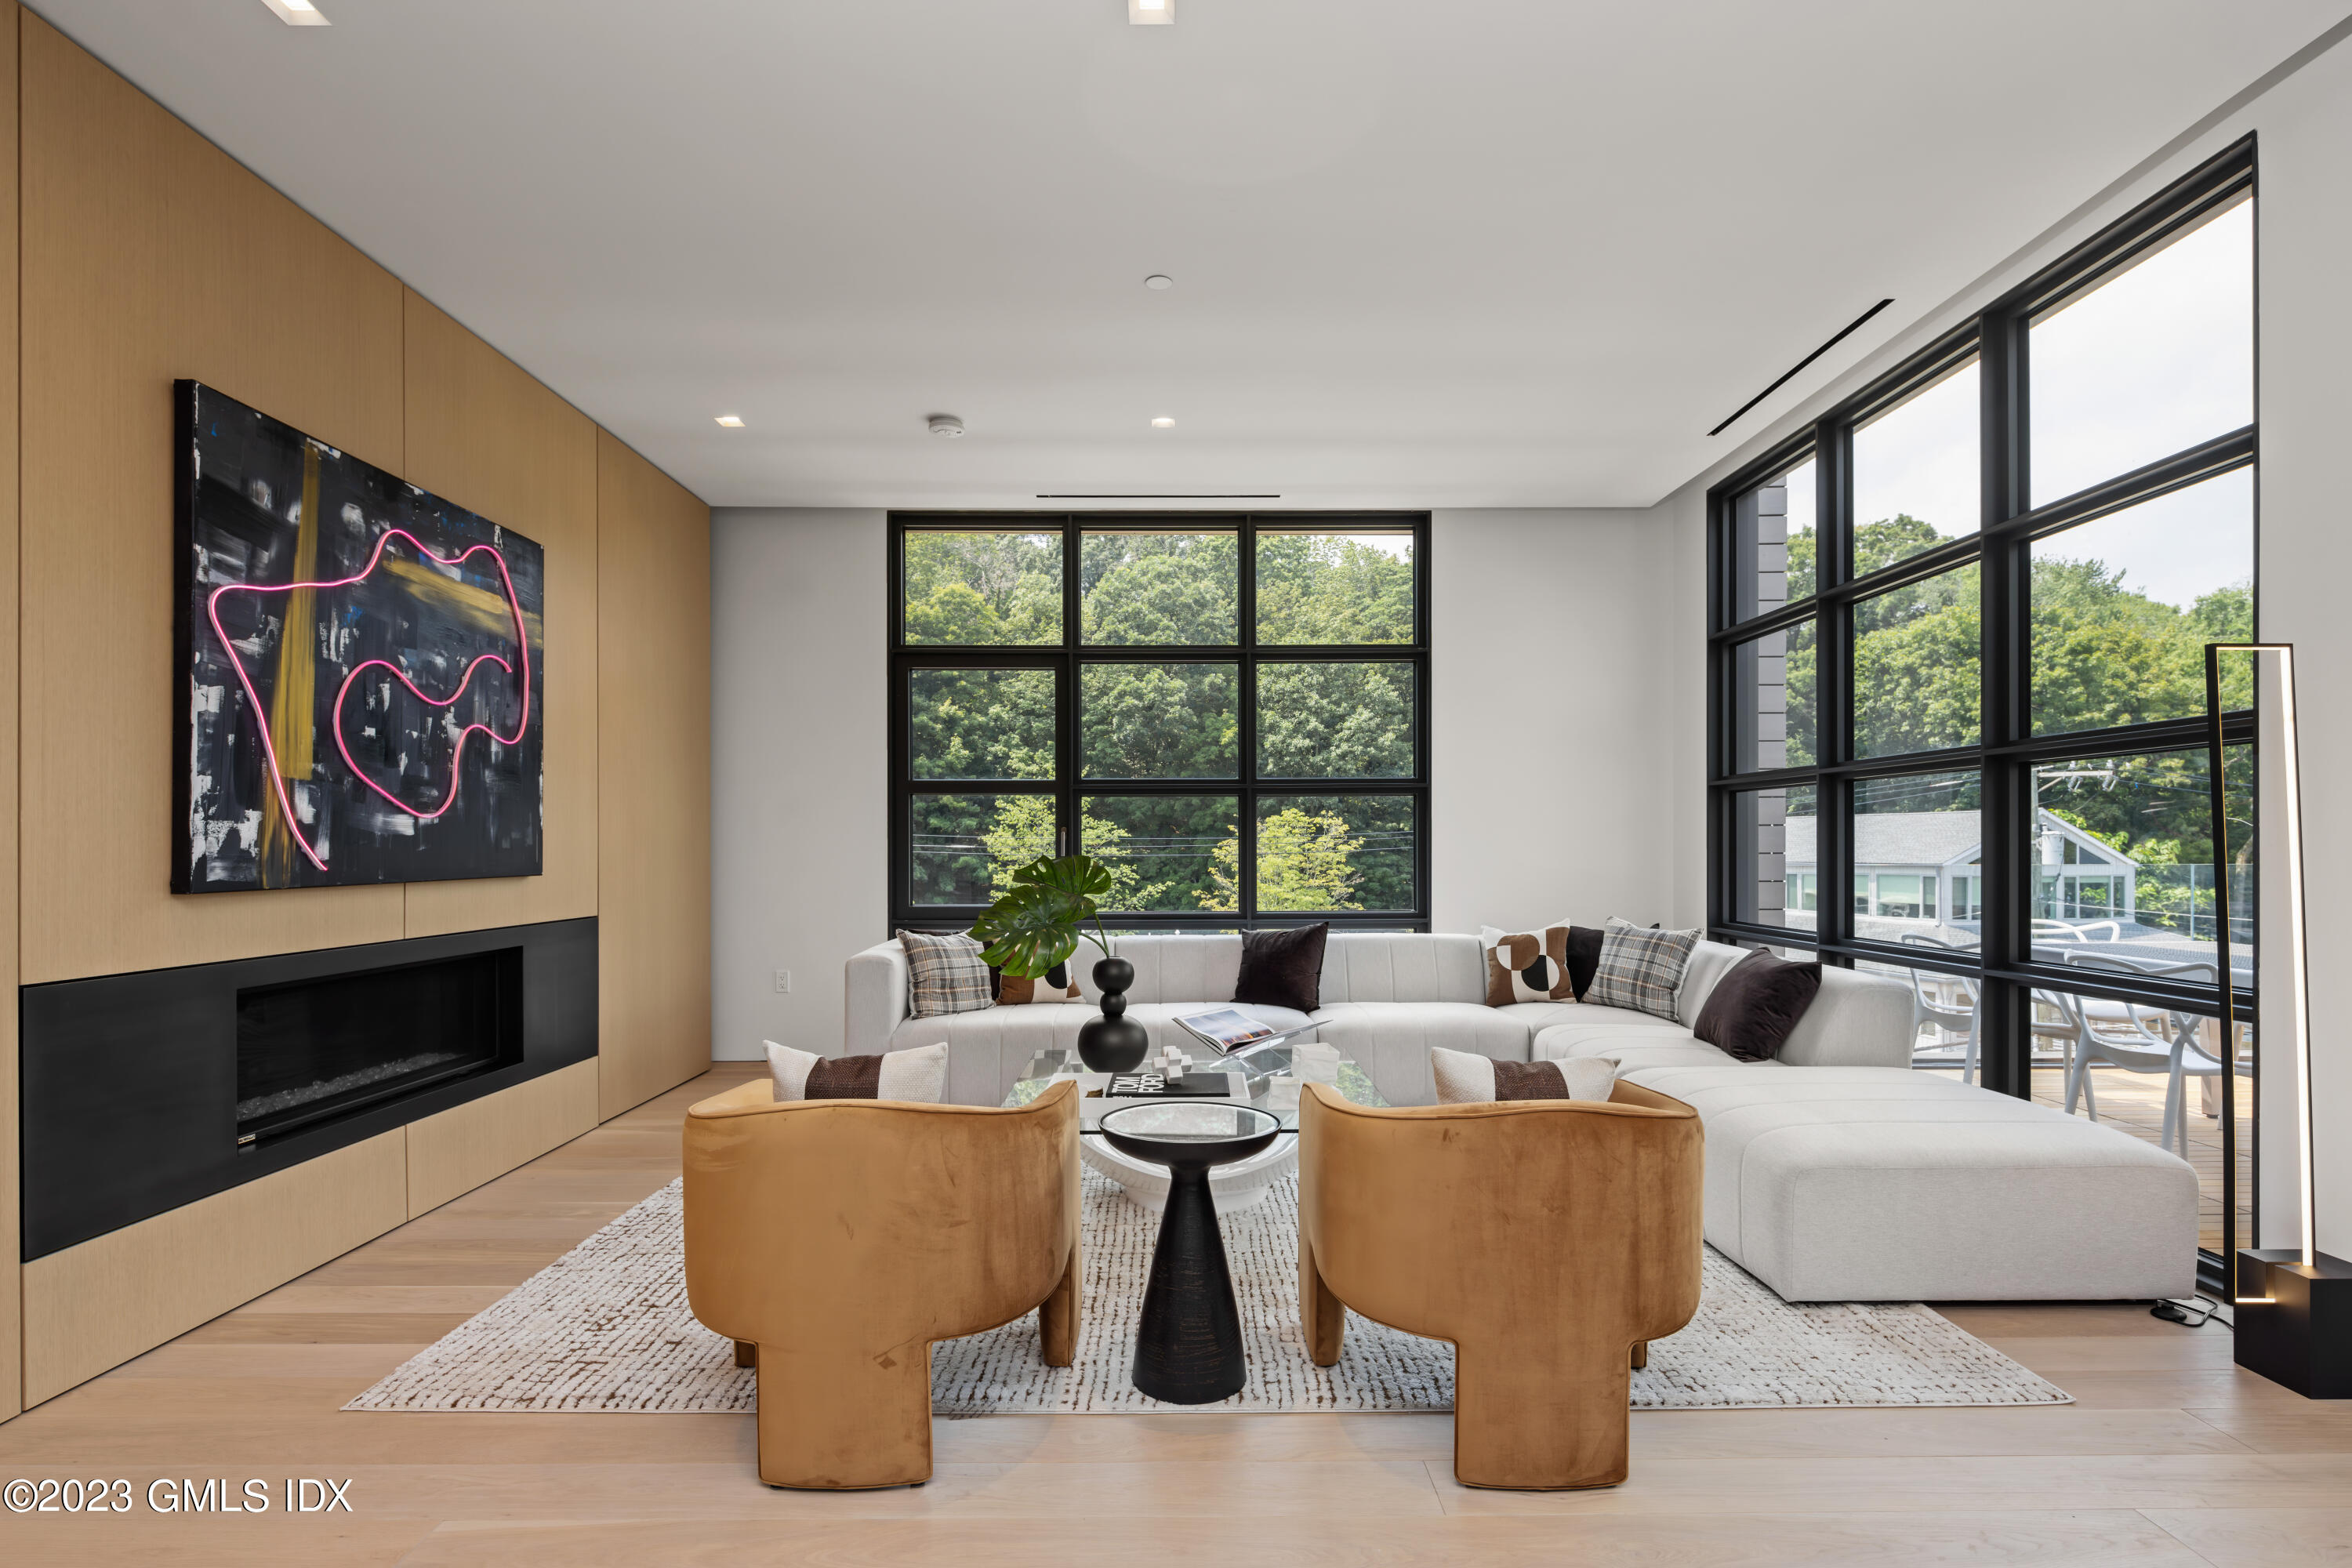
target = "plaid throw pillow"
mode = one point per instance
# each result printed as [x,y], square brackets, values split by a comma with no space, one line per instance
[945,974]
[1640,969]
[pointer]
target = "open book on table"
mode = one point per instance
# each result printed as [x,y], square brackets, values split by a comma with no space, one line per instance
[1228,1029]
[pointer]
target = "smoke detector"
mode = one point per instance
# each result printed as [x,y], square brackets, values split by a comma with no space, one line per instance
[946,425]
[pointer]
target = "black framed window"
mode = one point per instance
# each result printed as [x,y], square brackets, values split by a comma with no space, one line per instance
[1957,634]
[1231,710]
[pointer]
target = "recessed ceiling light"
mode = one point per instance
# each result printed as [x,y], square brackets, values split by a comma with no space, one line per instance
[1163,423]
[946,425]
[732,421]
[1151,13]
[1159,280]
[297,13]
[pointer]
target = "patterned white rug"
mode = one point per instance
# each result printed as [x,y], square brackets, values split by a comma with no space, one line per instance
[607,1328]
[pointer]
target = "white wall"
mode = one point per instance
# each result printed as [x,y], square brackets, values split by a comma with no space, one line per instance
[798,769]
[1552,735]
[2304,236]
[1552,750]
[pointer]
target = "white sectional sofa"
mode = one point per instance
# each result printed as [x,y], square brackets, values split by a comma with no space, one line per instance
[1833,1173]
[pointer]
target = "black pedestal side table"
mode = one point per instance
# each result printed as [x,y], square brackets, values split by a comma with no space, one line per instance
[1187,1347]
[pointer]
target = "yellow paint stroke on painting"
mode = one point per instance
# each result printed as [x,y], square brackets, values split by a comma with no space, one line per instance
[294,700]
[481,609]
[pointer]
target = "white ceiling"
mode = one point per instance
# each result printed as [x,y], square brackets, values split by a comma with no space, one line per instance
[1469,253]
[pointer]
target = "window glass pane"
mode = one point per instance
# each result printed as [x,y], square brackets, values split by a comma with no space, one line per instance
[1773,692]
[1171,854]
[1326,852]
[1916,473]
[2124,606]
[983,589]
[2121,865]
[1335,588]
[1772,543]
[1158,589]
[963,849]
[1159,720]
[981,723]
[1915,653]
[1912,836]
[1773,860]
[1335,720]
[2152,360]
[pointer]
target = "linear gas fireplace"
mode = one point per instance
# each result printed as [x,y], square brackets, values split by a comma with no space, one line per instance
[142,1092]
[313,1049]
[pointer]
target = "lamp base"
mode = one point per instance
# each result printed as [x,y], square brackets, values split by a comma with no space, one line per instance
[2300,1338]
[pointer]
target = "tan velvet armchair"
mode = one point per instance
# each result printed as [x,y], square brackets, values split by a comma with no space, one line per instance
[1549,1240]
[836,1239]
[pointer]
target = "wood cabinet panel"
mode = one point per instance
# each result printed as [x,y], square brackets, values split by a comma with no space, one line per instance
[452,1154]
[147,255]
[95,1305]
[653,865]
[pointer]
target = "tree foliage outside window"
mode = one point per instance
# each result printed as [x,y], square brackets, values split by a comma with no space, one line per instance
[2104,653]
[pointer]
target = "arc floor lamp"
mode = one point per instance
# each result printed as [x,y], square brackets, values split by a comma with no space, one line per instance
[2293,1304]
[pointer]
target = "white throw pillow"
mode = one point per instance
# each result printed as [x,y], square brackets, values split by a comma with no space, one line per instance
[1465,1077]
[920,1075]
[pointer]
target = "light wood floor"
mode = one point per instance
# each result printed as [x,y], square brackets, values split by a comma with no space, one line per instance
[2171,1455]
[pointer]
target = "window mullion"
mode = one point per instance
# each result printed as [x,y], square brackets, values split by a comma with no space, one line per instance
[2006,812]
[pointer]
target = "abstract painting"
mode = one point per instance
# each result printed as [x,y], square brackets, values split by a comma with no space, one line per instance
[362,669]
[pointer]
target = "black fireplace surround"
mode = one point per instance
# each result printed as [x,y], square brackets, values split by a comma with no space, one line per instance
[145,1091]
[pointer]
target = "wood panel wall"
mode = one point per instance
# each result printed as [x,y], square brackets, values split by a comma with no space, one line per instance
[11,1298]
[653,869]
[483,434]
[138,253]
[148,255]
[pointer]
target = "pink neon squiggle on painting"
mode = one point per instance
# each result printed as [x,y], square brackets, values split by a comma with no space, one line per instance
[268,745]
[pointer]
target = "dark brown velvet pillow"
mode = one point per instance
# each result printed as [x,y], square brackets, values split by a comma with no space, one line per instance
[1752,1008]
[1283,968]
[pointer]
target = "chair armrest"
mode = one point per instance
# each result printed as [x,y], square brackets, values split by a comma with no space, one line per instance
[875,997]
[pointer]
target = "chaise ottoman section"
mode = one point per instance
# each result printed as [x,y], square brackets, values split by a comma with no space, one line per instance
[1885,1184]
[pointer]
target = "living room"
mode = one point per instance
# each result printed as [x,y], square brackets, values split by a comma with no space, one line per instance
[1104,753]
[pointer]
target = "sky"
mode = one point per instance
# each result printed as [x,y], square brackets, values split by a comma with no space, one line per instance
[2155,359]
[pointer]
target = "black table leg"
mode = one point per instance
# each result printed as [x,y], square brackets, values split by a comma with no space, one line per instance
[1188,1347]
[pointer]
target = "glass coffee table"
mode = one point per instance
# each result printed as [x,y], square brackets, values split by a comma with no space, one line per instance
[1264,1078]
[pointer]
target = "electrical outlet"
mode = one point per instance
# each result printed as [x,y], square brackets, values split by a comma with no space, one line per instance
[784,980]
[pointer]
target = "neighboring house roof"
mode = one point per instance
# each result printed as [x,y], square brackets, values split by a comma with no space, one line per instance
[1925,838]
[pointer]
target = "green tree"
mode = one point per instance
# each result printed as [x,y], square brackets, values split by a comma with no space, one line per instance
[1303,864]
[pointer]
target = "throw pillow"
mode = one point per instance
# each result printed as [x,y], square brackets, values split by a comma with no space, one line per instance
[1283,968]
[1753,1007]
[945,974]
[920,1075]
[1528,966]
[1642,969]
[1465,1077]
[1020,991]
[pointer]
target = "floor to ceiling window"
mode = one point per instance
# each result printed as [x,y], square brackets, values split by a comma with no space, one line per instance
[1958,637]
[1231,711]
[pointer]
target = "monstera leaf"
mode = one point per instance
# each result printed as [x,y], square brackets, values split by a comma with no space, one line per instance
[1035,926]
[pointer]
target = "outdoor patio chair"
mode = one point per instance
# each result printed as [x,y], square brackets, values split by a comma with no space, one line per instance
[2118,1033]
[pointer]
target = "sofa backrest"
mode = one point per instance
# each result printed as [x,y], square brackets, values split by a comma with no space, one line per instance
[1857,1020]
[1358,966]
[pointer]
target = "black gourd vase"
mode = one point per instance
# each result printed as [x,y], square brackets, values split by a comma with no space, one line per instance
[1114,1042]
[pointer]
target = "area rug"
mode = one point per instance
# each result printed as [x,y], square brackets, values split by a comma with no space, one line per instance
[607,1328]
